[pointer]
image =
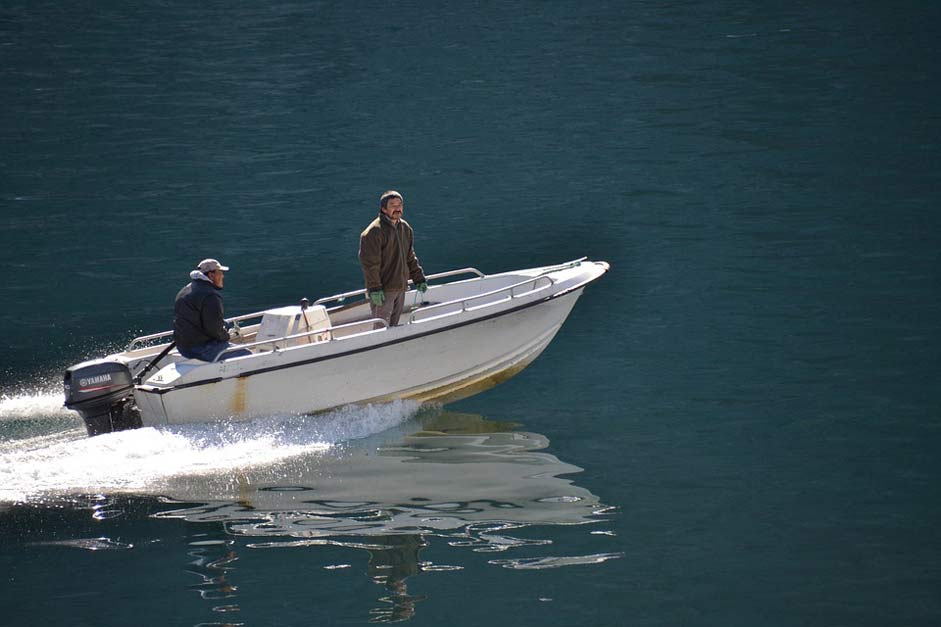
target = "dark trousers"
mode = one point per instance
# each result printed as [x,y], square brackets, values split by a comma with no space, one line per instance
[391,309]
[209,350]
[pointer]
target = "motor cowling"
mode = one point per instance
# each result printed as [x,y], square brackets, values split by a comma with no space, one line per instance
[102,392]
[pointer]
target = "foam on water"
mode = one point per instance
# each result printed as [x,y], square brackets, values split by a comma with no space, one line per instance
[143,460]
[33,404]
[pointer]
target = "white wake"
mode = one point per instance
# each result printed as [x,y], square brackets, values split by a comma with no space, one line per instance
[143,460]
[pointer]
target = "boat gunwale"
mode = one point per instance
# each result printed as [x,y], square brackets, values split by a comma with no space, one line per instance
[412,316]
[543,271]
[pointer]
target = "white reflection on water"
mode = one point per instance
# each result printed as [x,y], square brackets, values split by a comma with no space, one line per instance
[462,478]
[541,563]
[388,480]
[89,544]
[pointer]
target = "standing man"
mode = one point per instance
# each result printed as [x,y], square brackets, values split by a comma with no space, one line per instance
[388,259]
[198,324]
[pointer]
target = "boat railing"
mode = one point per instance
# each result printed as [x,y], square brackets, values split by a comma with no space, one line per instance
[562,266]
[511,292]
[375,324]
[140,342]
[440,275]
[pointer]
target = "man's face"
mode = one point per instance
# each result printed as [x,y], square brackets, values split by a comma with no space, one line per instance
[216,276]
[394,208]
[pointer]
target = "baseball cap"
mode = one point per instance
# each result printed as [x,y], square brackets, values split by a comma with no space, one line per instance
[208,265]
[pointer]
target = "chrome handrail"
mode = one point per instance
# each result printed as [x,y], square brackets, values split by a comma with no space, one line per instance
[440,275]
[329,330]
[339,297]
[146,338]
[463,301]
[568,264]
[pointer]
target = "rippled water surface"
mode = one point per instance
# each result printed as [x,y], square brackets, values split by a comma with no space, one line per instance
[738,424]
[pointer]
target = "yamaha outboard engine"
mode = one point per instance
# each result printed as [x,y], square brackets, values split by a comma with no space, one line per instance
[102,392]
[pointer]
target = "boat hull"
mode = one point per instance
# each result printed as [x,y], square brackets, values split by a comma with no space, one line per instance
[443,363]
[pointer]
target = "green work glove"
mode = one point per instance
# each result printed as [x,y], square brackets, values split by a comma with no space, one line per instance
[377,297]
[422,287]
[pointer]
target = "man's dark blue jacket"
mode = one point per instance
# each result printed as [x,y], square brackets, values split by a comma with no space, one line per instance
[198,315]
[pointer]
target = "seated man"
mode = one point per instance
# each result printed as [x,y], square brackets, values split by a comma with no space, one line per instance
[198,323]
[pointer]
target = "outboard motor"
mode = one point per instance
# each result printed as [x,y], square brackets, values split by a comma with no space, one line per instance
[102,392]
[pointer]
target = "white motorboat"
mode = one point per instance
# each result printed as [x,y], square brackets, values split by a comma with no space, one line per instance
[459,338]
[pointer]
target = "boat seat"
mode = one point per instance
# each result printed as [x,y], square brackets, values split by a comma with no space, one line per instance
[292,320]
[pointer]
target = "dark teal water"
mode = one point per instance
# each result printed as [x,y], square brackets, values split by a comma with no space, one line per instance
[739,424]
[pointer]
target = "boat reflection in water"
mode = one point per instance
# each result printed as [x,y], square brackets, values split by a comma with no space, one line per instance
[463,478]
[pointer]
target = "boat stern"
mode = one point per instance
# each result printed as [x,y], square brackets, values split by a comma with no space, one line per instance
[102,392]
